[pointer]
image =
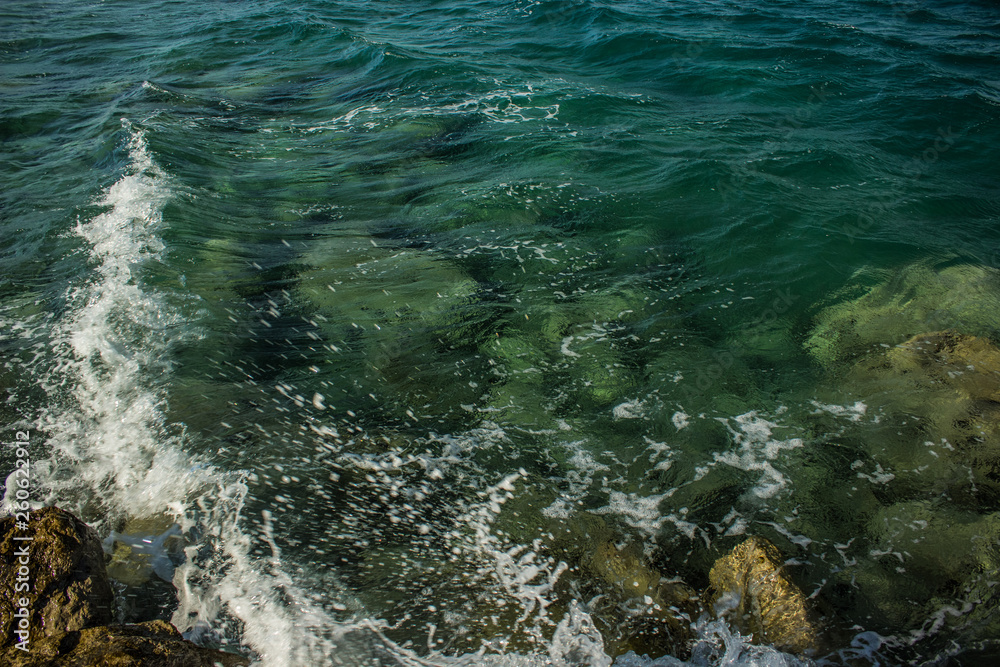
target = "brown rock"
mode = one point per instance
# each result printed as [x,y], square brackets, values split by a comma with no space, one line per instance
[67,586]
[665,628]
[751,591]
[903,303]
[150,644]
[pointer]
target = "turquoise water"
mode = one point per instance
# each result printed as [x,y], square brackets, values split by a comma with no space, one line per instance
[375,298]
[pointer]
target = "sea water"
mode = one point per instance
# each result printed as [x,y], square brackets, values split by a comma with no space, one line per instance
[345,316]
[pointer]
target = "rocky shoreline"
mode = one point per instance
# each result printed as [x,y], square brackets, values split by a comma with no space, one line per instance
[65,611]
[68,607]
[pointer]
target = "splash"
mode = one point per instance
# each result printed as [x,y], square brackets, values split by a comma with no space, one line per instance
[105,425]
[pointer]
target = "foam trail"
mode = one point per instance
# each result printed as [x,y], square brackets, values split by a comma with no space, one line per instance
[105,424]
[109,436]
[106,430]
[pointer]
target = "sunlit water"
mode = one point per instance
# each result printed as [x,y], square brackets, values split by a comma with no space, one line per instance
[393,306]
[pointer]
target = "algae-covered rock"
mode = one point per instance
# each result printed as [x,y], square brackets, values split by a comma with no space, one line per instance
[598,376]
[750,589]
[398,321]
[67,585]
[624,569]
[927,556]
[150,644]
[519,359]
[942,545]
[217,257]
[914,299]
[522,405]
[143,548]
[668,606]
[356,283]
[968,365]
[952,383]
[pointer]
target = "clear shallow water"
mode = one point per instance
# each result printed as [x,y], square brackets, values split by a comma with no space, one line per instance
[327,282]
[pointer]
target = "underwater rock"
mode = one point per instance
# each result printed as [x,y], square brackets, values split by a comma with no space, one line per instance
[933,561]
[391,298]
[137,554]
[615,578]
[979,628]
[519,360]
[399,320]
[217,256]
[765,341]
[951,382]
[670,605]
[521,405]
[914,299]
[142,570]
[382,284]
[938,544]
[750,590]
[68,587]
[150,644]
[967,364]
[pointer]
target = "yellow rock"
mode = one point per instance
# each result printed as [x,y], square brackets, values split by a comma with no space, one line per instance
[750,589]
[967,364]
[624,570]
[128,567]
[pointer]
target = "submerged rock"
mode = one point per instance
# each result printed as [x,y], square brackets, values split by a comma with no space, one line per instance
[752,592]
[67,584]
[938,544]
[914,299]
[142,573]
[951,382]
[399,321]
[968,365]
[358,284]
[664,626]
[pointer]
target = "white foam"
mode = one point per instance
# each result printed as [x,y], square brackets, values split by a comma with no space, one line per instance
[501,105]
[110,347]
[680,420]
[642,512]
[852,412]
[628,410]
[756,450]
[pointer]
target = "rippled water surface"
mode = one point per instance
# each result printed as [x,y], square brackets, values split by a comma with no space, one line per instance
[405,311]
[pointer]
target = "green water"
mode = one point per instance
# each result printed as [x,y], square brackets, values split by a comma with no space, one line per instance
[367,260]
